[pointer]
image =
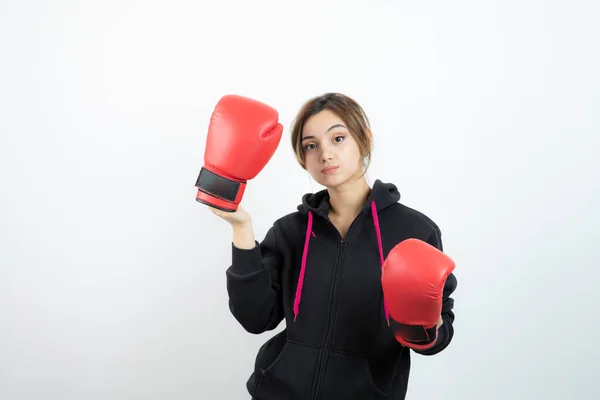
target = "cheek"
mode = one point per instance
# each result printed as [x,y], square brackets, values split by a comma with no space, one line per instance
[352,155]
[310,159]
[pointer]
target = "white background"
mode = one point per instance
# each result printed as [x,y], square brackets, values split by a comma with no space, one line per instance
[112,278]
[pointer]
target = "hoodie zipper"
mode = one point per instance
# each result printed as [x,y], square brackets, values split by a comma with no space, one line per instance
[323,356]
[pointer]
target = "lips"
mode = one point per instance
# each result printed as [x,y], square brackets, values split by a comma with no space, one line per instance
[329,170]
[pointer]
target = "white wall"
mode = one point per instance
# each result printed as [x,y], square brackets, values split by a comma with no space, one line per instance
[112,277]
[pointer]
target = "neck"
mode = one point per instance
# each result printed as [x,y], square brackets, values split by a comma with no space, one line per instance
[347,200]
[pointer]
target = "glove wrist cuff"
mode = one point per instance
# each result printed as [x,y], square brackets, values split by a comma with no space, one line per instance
[415,336]
[218,191]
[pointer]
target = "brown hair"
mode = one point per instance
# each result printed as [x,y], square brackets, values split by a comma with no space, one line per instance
[345,108]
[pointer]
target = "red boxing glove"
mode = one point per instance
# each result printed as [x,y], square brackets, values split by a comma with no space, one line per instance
[242,137]
[413,279]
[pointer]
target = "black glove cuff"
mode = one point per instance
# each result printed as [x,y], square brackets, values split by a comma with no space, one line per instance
[217,186]
[417,334]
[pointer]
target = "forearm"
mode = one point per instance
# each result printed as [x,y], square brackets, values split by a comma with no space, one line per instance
[252,281]
[243,236]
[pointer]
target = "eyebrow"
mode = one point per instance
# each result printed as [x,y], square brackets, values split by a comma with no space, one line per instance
[330,128]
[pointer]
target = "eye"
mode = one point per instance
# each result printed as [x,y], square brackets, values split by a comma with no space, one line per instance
[308,146]
[339,138]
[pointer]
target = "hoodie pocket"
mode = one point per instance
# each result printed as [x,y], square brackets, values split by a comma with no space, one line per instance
[289,376]
[349,377]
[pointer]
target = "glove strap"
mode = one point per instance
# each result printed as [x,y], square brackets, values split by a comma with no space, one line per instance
[415,336]
[218,191]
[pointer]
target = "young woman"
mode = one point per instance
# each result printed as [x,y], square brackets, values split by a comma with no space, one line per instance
[319,269]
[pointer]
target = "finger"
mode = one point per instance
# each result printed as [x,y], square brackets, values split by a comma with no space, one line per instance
[214,211]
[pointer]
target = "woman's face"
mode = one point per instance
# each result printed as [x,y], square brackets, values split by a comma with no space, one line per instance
[331,154]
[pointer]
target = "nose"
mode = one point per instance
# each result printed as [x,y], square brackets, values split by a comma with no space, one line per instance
[326,153]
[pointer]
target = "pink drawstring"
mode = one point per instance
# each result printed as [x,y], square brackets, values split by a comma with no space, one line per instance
[303,268]
[378,231]
[309,232]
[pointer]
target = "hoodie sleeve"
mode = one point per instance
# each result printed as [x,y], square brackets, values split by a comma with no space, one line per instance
[446,331]
[253,285]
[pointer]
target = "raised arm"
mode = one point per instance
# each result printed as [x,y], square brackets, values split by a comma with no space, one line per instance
[253,280]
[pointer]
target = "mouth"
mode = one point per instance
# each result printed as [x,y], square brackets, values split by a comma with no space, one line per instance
[329,170]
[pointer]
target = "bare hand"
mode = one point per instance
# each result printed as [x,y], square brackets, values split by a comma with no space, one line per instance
[236,218]
[440,322]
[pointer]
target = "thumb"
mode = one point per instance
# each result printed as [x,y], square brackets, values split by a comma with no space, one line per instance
[273,135]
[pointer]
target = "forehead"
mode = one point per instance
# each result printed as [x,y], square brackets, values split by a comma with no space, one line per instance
[319,123]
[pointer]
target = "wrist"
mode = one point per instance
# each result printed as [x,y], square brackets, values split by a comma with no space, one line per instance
[244,225]
[243,236]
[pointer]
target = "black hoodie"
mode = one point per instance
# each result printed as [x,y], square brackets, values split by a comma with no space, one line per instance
[337,343]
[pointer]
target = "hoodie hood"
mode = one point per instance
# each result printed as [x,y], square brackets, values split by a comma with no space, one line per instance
[382,196]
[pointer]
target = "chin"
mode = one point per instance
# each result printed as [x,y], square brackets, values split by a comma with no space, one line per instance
[332,181]
[324,180]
